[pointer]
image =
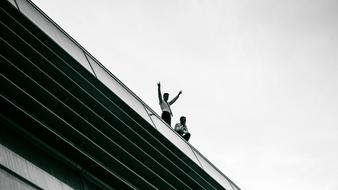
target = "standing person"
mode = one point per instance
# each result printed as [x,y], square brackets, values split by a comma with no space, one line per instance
[181,128]
[165,105]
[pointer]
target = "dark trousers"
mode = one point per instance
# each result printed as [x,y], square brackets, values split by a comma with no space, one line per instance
[186,136]
[166,117]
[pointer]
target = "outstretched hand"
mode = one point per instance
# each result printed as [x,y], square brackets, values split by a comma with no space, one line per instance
[180,92]
[159,84]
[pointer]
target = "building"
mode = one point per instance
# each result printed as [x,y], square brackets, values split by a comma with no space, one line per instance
[68,123]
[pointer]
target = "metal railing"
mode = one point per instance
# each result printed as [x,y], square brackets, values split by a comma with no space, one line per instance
[46,24]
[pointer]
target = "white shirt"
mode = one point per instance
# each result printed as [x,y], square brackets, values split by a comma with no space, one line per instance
[180,127]
[165,106]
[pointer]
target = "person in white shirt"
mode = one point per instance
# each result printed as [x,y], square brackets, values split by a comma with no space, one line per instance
[181,128]
[165,105]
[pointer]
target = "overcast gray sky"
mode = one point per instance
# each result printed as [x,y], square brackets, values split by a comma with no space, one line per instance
[259,78]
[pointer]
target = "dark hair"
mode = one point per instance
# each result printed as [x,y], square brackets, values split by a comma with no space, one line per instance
[166,94]
[182,117]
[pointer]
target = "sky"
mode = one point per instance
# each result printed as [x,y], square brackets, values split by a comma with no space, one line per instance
[259,78]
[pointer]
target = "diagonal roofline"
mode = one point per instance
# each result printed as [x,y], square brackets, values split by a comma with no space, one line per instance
[200,160]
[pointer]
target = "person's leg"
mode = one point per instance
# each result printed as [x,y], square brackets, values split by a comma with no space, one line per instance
[166,117]
[186,136]
[169,119]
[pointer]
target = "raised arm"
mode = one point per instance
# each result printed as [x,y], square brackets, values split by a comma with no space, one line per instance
[159,92]
[174,100]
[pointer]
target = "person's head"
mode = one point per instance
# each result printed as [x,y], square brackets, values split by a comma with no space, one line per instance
[182,120]
[165,96]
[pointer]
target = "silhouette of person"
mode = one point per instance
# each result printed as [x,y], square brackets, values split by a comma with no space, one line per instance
[165,105]
[181,128]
